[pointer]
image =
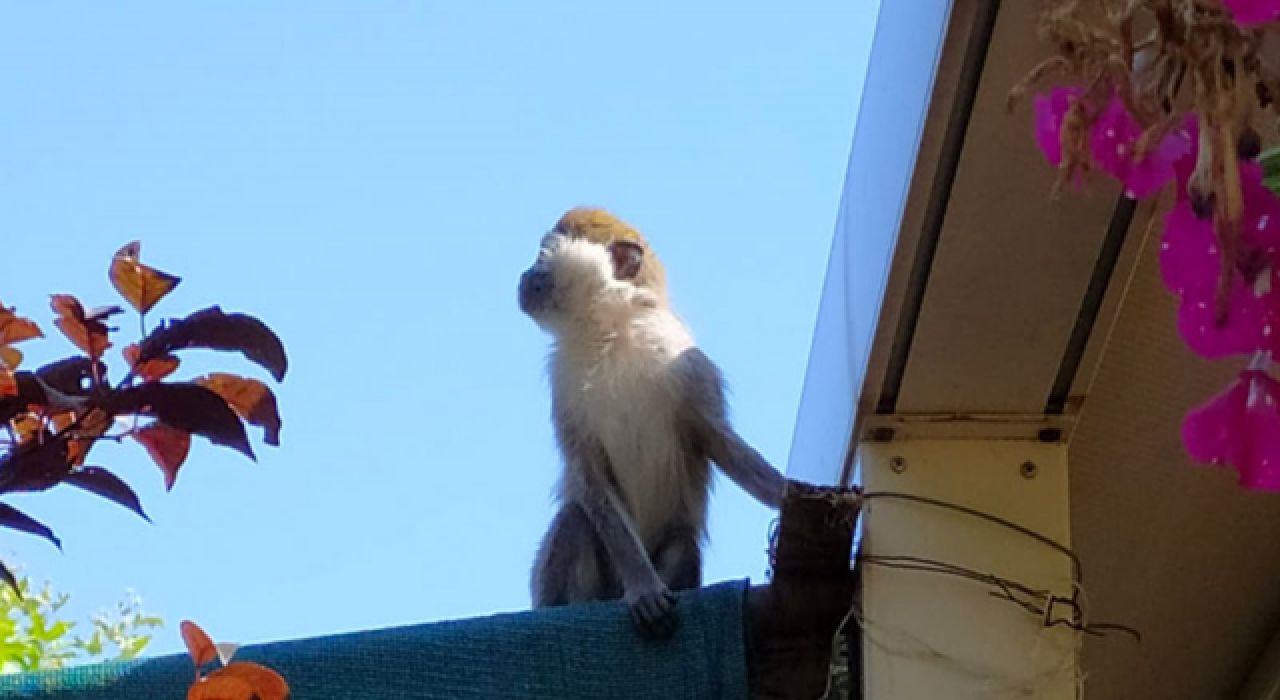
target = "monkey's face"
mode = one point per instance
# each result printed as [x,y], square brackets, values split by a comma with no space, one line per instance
[574,279]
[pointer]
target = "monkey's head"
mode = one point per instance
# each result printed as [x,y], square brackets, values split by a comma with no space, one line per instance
[590,267]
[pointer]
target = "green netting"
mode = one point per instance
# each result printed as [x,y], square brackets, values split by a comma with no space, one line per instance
[583,651]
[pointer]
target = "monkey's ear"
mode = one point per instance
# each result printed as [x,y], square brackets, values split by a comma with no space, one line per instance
[627,258]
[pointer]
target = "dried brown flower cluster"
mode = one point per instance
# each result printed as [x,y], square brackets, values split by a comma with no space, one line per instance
[1191,58]
[1171,63]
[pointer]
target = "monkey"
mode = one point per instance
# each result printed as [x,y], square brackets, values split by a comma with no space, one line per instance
[639,414]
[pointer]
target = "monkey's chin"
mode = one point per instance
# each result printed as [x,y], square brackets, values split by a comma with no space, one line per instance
[542,320]
[534,310]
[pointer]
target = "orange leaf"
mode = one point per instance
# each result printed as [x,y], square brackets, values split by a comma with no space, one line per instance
[14,329]
[92,425]
[8,383]
[62,420]
[141,285]
[167,446]
[242,680]
[66,305]
[199,645]
[220,688]
[151,370]
[10,358]
[86,330]
[27,426]
[250,398]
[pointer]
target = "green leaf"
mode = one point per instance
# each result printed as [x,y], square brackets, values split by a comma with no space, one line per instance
[11,651]
[1273,184]
[36,628]
[33,637]
[134,647]
[1270,161]
[56,632]
[93,647]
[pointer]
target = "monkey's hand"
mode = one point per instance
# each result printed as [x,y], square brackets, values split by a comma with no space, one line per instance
[654,612]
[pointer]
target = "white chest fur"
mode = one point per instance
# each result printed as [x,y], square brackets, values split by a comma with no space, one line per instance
[620,389]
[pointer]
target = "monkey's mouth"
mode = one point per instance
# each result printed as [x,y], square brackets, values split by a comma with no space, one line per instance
[529,307]
[529,304]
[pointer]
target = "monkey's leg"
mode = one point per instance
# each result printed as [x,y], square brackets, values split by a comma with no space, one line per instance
[572,564]
[678,558]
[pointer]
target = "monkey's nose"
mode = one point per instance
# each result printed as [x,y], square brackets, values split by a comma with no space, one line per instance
[535,285]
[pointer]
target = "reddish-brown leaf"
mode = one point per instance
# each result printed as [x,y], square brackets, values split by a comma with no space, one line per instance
[14,328]
[10,579]
[141,285]
[36,465]
[152,370]
[87,330]
[30,391]
[15,519]
[187,407]
[10,358]
[250,398]
[212,328]
[97,480]
[8,382]
[167,446]
[92,426]
[241,680]
[199,645]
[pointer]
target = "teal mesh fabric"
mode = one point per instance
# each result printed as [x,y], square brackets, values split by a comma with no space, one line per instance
[583,651]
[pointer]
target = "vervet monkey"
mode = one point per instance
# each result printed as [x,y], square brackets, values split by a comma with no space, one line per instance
[639,415]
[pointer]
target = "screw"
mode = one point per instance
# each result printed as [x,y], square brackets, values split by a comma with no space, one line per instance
[898,465]
[1028,470]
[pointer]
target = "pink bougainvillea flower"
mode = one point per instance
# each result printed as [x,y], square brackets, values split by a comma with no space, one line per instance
[1189,255]
[1241,428]
[1050,110]
[1191,263]
[1241,332]
[1114,140]
[1148,175]
[1248,13]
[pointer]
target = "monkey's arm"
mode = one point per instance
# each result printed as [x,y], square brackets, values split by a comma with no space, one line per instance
[706,418]
[745,466]
[619,536]
[652,604]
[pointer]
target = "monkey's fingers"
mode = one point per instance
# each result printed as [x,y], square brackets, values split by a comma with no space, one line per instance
[655,615]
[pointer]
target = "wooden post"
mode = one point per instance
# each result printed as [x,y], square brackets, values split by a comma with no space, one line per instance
[792,622]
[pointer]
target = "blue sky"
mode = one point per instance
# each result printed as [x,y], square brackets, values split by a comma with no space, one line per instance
[370,179]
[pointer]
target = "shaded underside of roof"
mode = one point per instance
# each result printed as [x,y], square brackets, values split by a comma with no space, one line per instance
[1003,313]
